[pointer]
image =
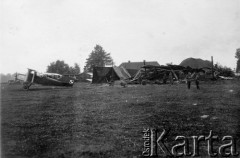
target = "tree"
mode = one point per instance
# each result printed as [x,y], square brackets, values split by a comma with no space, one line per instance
[75,69]
[58,67]
[223,70]
[98,57]
[5,78]
[237,55]
[61,67]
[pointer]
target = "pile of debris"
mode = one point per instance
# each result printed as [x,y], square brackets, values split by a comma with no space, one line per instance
[162,74]
[142,73]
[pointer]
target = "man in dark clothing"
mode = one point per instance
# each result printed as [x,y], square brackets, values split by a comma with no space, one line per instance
[197,80]
[164,78]
[189,78]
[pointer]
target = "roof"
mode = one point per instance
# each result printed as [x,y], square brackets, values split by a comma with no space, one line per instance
[138,65]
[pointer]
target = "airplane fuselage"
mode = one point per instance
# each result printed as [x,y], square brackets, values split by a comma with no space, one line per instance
[47,79]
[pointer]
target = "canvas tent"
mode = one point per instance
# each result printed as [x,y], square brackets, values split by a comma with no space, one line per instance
[106,74]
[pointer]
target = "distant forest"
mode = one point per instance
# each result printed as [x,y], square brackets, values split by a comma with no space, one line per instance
[4,78]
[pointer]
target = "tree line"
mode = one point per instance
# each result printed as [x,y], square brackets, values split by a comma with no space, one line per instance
[6,77]
[61,67]
[98,57]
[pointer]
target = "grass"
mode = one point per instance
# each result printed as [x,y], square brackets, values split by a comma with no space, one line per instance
[101,121]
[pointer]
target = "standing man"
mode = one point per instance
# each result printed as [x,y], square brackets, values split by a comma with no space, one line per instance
[189,77]
[164,78]
[197,80]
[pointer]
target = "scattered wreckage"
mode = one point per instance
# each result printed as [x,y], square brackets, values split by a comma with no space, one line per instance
[163,74]
[147,74]
[18,79]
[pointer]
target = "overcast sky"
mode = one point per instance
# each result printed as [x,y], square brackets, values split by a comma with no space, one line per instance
[37,32]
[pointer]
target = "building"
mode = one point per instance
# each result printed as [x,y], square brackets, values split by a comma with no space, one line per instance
[134,67]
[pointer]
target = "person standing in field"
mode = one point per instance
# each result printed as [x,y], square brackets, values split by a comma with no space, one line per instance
[189,78]
[197,80]
[164,78]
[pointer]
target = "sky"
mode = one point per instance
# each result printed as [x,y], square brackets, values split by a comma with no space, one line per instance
[35,33]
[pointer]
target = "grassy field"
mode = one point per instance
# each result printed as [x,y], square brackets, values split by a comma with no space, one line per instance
[102,121]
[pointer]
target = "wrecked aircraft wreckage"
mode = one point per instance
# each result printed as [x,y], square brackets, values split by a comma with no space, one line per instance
[163,74]
[148,74]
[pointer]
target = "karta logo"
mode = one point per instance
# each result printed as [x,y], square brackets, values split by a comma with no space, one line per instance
[154,146]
